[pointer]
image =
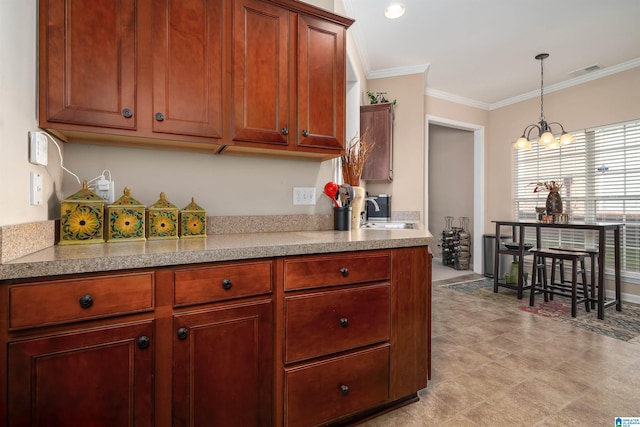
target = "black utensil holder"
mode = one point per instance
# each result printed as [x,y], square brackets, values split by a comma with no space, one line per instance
[342,218]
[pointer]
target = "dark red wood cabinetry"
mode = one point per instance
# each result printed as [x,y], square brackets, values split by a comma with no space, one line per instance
[376,124]
[87,64]
[290,341]
[100,377]
[289,80]
[248,75]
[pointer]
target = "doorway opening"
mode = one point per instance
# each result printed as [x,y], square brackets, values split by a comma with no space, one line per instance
[477,184]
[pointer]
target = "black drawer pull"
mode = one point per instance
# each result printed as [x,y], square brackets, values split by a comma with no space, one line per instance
[226,284]
[305,132]
[344,389]
[285,131]
[344,322]
[159,117]
[143,342]
[344,271]
[183,333]
[127,113]
[86,301]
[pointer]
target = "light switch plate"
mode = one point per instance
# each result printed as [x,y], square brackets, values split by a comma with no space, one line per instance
[37,190]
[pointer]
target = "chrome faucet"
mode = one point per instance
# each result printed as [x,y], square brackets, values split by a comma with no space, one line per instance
[373,200]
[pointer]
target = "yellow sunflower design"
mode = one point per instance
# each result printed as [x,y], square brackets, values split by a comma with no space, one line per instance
[163,224]
[82,223]
[193,225]
[126,223]
[193,221]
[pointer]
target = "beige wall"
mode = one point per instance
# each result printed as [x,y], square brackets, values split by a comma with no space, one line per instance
[407,187]
[18,115]
[607,100]
[222,185]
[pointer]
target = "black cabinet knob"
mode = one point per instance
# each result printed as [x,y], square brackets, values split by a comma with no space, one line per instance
[143,342]
[183,333]
[305,132]
[285,131]
[127,113]
[344,389]
[226,284]
[159,117]
[344,322]
[86,301]
[344,271]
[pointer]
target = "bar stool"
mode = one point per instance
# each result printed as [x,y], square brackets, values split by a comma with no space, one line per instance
[561,288]
[593,264]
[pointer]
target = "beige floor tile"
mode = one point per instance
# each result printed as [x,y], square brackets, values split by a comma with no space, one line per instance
[501,366]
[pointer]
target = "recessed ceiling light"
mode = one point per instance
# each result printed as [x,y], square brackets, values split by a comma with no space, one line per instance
[393,11]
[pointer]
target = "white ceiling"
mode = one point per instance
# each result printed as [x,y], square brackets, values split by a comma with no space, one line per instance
[482,52]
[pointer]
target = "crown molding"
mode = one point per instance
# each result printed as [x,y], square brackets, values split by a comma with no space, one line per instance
[595,75]
[457,99]
[397,71]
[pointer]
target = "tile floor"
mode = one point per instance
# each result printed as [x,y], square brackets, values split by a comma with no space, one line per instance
[498,366]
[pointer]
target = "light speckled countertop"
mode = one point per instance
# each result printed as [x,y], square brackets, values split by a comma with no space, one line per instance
[72,259]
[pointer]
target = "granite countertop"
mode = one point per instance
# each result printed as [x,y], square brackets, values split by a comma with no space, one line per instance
[73,259]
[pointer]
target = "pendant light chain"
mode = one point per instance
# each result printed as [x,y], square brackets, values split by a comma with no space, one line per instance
[542,90]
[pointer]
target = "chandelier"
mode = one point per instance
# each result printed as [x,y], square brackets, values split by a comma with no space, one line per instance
[545,134]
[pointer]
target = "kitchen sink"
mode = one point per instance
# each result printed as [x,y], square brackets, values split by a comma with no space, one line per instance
[389,225]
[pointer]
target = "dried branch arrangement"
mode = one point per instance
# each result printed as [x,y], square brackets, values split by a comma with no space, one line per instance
[352,161]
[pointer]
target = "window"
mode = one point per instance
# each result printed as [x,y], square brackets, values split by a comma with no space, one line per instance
[600,174]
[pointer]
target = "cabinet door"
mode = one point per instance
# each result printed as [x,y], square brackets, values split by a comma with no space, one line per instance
[321,83]
[376,125]
[260,76]
[223,362]
[87,62]
[187,67]
[96,378]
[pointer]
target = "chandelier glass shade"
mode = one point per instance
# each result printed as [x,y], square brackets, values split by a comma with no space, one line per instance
[543,129]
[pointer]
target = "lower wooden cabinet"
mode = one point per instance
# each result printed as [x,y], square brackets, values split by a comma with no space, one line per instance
[100,377]
[247,343]
[320,392]
[223,366]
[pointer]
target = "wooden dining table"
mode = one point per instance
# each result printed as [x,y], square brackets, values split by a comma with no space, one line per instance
[518,229]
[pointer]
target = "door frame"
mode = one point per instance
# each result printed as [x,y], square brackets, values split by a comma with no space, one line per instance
[478,180]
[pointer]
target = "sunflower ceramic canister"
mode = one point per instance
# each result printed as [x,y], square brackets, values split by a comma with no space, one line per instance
[193,221]
[126,219]
[162,220]
[82,218]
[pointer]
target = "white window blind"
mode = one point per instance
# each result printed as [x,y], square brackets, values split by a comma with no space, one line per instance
[600,174]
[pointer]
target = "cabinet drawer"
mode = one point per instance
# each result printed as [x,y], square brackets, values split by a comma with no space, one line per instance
[63,301]
[327,390]
[328,322]
[337,269]
[221,282]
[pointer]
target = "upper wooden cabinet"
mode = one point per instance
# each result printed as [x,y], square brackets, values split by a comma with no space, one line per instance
[132,73]
[376,124]
[260,76]
[288,71]
[260,73]
[187,67]
[88,63]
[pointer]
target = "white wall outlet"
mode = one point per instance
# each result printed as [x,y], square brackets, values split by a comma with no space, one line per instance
[106,190]
[304,196]
[38,148]
[37,190]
